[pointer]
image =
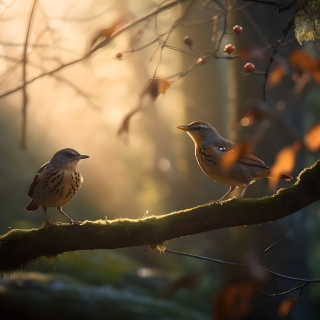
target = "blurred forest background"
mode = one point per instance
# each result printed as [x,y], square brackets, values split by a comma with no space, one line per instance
[154,167]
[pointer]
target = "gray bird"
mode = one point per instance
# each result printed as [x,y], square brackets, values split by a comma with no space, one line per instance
[56,182]
[210,148]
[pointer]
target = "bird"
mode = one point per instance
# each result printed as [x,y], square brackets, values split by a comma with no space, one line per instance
[56,182]
[210,148]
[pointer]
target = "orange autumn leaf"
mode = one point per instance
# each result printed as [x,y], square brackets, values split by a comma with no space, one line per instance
[285,307]
[312,138]
[301,61]
[284,163]
[108,32]
[275,75]
[155,87]
[234,301]
[235,154]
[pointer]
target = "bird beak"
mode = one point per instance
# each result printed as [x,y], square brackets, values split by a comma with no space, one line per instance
[83,156]
[184,127]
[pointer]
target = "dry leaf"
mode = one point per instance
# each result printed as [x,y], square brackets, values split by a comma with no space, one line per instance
[284,163]
[155,87]
[275,75]
[312,138]
[285,307]
[235,154]
[234,302]
[124,128]
[107,33]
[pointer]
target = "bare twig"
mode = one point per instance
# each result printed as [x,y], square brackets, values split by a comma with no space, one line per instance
[98,46]
[242,265]
[275,4]
[24,79]
[275,50]
[282,293]
[266,250]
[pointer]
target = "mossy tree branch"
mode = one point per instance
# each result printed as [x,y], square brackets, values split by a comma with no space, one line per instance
[20,247]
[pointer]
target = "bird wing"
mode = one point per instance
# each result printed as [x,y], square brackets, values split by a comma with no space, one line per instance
[251,160]
[36,180]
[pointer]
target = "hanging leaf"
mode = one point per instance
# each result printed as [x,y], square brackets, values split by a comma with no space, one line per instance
[155,87]
[284,163]
[233,155]
[275,75]
[285,307]
[312,138]
[124,128]
[108,32]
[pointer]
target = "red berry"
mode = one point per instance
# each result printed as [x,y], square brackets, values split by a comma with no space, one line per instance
[188,41]
[229,48]
[237,29]
[119,55]
[249,67]
[202,61]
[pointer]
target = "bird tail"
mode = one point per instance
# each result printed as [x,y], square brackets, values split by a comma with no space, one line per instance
[286,177]
[32,206]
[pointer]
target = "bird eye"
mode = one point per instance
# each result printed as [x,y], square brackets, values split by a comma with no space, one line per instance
[197,129]
[222,149]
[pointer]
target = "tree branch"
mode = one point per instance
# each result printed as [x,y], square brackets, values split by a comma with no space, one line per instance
[98,46]
[24,79]
[275,4]
[20,247]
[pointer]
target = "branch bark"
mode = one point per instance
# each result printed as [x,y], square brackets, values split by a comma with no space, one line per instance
[24,79]
[20,247]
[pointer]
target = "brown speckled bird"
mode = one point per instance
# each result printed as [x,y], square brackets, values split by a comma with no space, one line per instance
[56,182]
[210,147]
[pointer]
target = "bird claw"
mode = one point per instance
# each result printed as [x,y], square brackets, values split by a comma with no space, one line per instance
[214,201]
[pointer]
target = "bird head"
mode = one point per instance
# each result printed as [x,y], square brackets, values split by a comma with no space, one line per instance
[67,158]
[201,132]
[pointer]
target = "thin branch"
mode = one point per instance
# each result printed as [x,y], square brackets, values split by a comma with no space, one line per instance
[24,79]
[283,293]
[275,4]
[98,46]
[266,250]
[81,92]
[82,19]
[275,50]
[242,265]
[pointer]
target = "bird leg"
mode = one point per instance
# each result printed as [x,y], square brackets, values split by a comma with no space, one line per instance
[227,194]
[60,210]
[47,221]
[244,190]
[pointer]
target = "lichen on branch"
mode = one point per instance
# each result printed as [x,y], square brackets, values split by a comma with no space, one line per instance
[307,20]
